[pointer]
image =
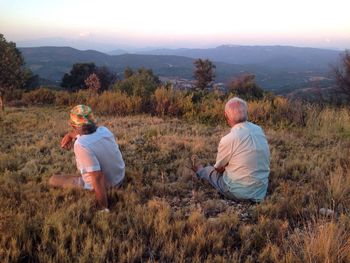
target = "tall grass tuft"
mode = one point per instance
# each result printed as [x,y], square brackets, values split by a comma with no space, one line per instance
[323,242]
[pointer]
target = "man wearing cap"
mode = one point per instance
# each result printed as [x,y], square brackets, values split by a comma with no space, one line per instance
[97,155]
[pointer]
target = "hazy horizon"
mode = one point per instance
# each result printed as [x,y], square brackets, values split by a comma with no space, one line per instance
[108,47]
[105,25]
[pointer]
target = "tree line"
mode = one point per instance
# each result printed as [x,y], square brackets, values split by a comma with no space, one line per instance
[139,82]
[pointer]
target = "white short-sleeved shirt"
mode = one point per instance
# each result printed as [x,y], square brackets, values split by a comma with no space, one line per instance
[99,152]
[245,154]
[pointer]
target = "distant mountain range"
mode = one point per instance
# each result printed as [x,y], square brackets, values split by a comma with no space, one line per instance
[81,43]
[276,57]
[278,68]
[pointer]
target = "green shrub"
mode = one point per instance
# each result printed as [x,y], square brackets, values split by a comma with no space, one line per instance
[139,83]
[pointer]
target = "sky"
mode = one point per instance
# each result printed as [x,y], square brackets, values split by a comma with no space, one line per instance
[178,23]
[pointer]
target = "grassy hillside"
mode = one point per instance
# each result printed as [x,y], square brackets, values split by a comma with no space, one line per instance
[161,214]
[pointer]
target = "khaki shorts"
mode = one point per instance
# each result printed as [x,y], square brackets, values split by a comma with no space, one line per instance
[88,186]
[216,179]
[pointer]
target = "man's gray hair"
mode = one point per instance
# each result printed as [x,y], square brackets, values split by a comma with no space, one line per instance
[236,110]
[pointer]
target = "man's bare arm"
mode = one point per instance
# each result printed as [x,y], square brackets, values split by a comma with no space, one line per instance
[220,169]
[98,182]
[67,140]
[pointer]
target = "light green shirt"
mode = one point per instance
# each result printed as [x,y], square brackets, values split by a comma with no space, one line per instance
[245,154]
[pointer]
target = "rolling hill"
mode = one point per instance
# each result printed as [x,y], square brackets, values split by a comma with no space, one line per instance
[276,57]
[281,76]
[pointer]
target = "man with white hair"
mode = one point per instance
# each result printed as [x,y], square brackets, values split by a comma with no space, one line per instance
[242,164]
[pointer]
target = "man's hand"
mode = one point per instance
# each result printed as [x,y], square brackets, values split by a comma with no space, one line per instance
[220,169]
[67,141]
[99,184]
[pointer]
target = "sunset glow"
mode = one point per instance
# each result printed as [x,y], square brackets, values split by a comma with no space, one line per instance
[181,22]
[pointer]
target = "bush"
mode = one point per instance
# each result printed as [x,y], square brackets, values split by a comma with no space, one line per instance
[14,95]
[167,101]
[80,97]
[116,103]
[246,88]
[259,111]
[140,83]
[63,98]
[211,110]
[276,111]
[327,120]
[207,108]
[41,96]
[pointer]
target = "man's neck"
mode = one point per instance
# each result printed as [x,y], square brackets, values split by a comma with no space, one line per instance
[236,123]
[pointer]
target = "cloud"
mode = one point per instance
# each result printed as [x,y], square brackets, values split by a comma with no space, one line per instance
[84,34]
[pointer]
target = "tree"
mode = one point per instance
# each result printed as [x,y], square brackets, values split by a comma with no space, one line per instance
[75,80]
[106,78]
[245,87]
[141,83]
[204,73]
[31,81]
[342,75]
[93,83]
[11,69]
[128,72]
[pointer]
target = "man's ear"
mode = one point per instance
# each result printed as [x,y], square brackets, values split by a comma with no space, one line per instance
[227,118]
[229,122]
[75,129]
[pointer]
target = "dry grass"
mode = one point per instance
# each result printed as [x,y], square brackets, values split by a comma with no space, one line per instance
[321,242]
[160,214]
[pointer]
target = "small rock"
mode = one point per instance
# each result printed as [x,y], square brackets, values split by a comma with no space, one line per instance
[244,215]
[176,200]
[326,212]
[185,200]
[213,220]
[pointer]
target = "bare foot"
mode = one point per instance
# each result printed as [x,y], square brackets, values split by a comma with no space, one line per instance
[196,165]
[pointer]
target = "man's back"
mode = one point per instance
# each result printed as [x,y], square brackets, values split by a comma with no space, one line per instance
[246,153]
[99,151]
